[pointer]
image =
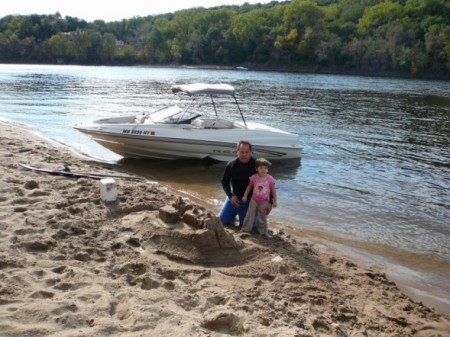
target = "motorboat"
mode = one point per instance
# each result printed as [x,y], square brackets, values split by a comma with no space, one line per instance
[195,130]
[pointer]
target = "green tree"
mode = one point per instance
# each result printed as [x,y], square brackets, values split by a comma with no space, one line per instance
[286,45]
[128,55]
[328,52]
[379,15]
[57,47]
[108,48]
[212,28]
[303,13]
[156,50]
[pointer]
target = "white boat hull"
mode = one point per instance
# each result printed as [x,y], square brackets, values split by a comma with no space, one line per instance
[182,141]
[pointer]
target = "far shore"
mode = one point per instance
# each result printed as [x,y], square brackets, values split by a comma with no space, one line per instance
[279,69]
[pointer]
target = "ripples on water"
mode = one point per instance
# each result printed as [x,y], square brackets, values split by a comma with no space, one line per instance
[376,158]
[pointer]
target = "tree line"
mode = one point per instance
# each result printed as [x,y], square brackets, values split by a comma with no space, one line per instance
[398,37]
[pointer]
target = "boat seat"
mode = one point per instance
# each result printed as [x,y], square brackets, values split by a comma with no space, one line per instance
[172,120]
[140,119]
[212,123]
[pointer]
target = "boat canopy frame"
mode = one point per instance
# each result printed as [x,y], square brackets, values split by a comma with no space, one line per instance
[198,89]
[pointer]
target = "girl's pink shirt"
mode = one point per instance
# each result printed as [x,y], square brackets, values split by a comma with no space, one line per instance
[261,187]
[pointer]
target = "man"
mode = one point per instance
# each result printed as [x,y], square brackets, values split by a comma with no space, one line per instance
[234,182]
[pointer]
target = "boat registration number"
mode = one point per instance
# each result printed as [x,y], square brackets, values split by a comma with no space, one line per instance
[138,132]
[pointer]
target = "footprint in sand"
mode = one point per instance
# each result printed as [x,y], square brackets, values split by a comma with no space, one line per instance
[42,294]
[149,283]
[37,246]
[223,322]
[64,309]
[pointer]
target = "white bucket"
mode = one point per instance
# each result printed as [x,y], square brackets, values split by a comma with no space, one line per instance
[108,189]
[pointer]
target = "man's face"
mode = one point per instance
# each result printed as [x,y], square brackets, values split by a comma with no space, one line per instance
[244,153]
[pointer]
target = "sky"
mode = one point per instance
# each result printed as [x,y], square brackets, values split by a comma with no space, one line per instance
[111,10]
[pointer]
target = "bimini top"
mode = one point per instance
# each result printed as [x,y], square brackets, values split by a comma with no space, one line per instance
[204,89]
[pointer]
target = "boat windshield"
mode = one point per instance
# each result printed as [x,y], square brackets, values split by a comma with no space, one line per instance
[173,115]
[159,115]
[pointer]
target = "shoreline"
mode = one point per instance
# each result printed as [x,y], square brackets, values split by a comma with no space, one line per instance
[433,76]
[93,268]
[405,268]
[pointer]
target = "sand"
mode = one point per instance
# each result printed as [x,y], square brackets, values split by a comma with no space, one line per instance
[153,263]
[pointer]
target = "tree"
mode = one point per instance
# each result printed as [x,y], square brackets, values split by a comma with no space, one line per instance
[437,46]
[379,15]
[57,47]
[156,50]
[303,13]
[286,44]
[109,47]
[245,29]
[328,51]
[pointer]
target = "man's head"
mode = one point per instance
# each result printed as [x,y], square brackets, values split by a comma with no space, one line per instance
[244,151]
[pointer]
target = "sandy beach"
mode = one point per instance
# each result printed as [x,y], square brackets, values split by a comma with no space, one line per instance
[153,263]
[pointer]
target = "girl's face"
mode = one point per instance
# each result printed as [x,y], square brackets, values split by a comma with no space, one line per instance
[262,170]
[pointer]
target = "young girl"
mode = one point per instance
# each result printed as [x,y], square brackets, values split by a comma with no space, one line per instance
[263,186]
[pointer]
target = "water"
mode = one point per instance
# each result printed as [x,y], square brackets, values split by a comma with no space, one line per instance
[374,177]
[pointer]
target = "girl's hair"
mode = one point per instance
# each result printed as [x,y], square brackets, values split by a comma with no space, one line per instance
[262,162]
